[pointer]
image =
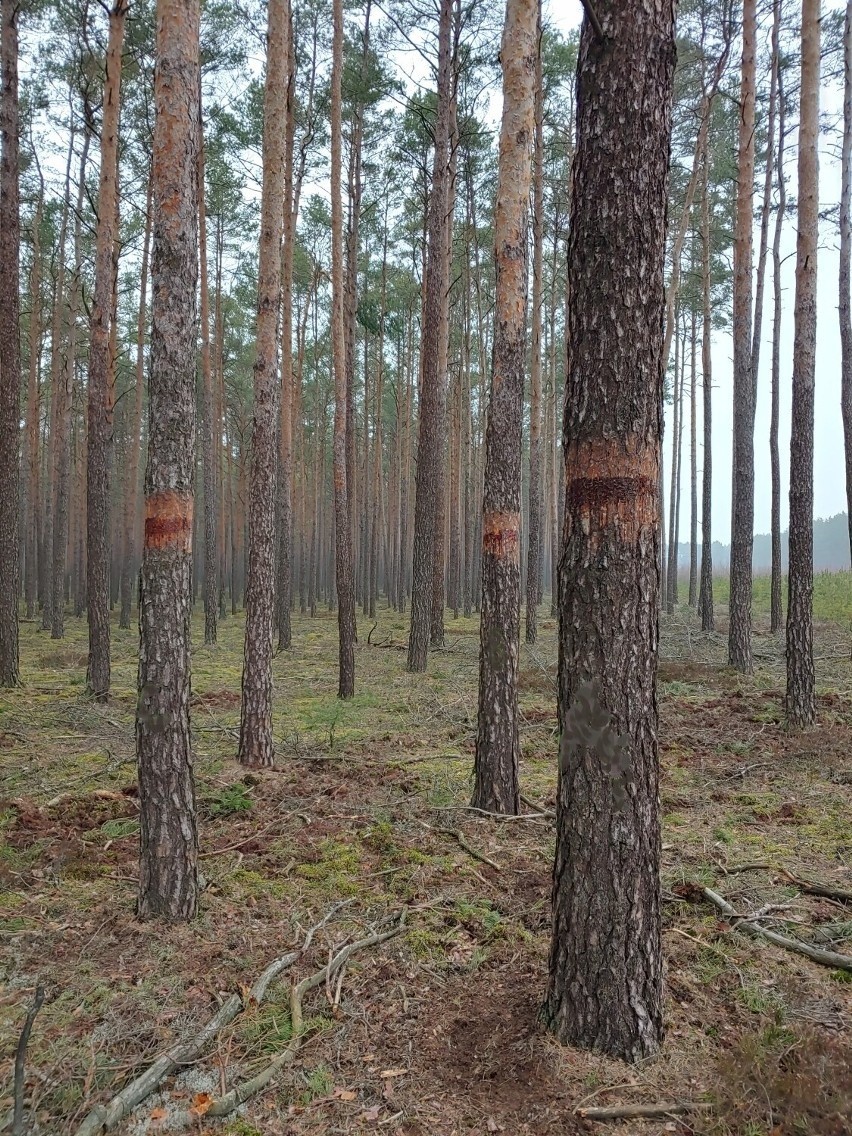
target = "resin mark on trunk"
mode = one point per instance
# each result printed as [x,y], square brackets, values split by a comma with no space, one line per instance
[501,535]
[168,521]
[608,482]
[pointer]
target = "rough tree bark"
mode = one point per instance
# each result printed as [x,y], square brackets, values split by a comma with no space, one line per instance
[845,280]
[430,443]
[497,746]
[101,378]
[342,528]
[534,535]
[705,598]
[210,446]
[256,745]
[776,614]
[801,702]
[605,986]
[31,549]
[284,590]
[742,535]
[131,473]
[64,413]
[10,343]
[168,866]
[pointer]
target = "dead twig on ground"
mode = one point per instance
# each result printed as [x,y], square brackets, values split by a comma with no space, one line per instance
[550,814]
[102,1118]
[635,1111]
[242,1092]
[745,924]
[21,1060]
[471,851]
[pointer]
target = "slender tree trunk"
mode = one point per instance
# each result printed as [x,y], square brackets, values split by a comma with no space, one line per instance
[742,535]
[134,441]
[693,470]
[776,614]
[496,786]
[342,528]
[845,281]
[674,492]
[63,419]
[801,700]
[534,537]
[430,445]
[284,591]
[606,883]
[10,343]
[209,445]
[101,376]
[168,865]
[705,603]
[436,633]
[31,531]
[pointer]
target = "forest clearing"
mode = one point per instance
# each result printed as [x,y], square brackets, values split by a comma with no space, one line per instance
[399,403]
[433,1031]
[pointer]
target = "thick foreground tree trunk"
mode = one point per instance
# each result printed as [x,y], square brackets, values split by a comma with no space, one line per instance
[168,867]
[801,703]
[605,986]
[10,343]
[101,374]
[497,745]
[256,746]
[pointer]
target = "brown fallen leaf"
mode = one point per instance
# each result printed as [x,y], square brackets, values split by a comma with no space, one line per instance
[158,1114]
[393,1073]
[345,1094]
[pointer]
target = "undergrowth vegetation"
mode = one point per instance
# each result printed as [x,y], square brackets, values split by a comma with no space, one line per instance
[436,1030]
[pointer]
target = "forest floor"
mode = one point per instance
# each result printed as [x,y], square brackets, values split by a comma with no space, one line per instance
[432,1032]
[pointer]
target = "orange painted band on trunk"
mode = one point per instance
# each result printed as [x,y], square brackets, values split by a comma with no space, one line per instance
[168,520]
[501,535]
[611,481]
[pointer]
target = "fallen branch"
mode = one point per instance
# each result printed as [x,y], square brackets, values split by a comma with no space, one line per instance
[811,887]
[104,1117]
[631,1111]
[548,815]
[471,851]
[742,923]
[21,1060]
[243,1092]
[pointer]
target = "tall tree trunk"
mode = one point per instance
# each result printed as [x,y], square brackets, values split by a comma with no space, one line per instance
[775,607]
[134,441]
[705,602]
[742,535]
[496,786]
[63,417]
[10,343]
[693,468]
[210,447]
[534,536]
[801,701]
[674,492]
[101,374]
[342,528]
[55,394]
[284,590]
[845,280]
[430,444]
[168,866]
[436,632]
[33,407]
[606,884]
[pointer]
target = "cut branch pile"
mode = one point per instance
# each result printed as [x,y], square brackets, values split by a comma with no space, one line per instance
[103,1118]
